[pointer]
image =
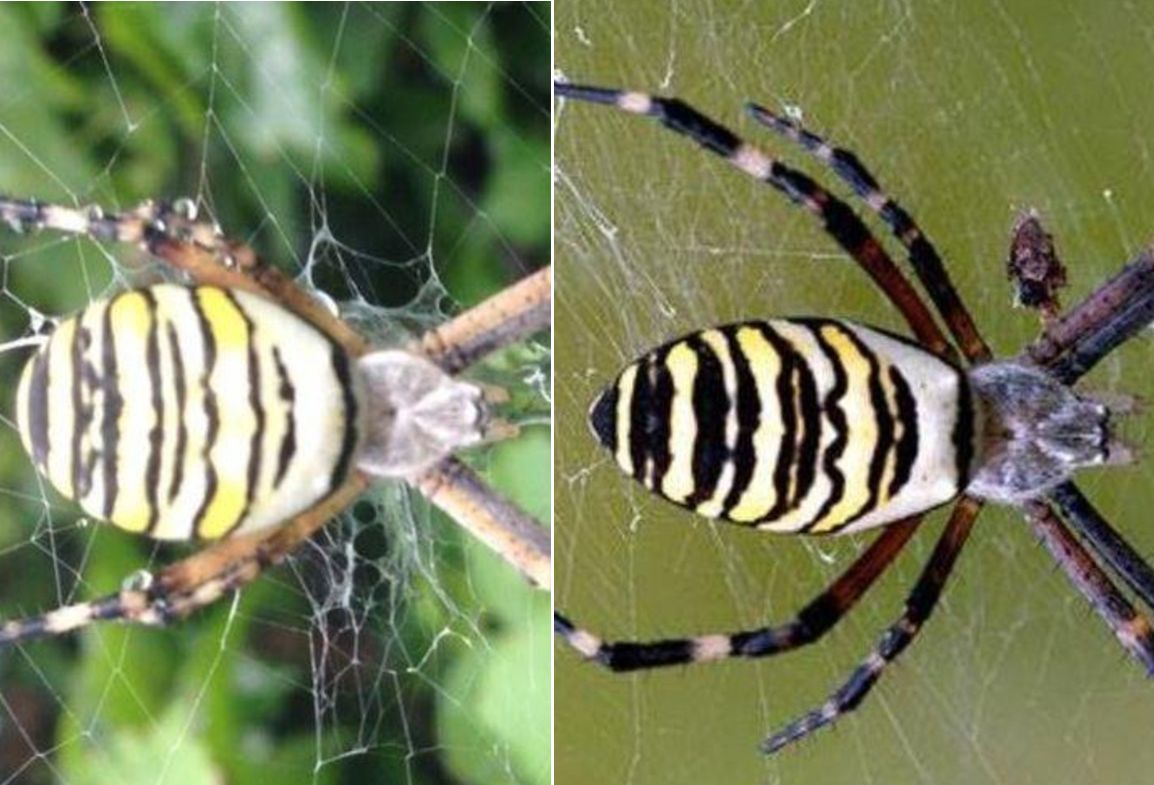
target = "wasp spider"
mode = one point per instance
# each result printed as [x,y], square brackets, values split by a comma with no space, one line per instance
[823,426]
[239,410]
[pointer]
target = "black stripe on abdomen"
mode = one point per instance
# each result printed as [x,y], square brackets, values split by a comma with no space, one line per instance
[211,413]
[883,424]
[710,410]
[156,433]
[178,382]
[650,419]
[834,414]
[748,405]
[906,446]
[288,442]
[343,373]
[110,418]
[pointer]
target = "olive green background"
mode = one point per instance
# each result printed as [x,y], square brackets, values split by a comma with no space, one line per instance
[396,155]
[969,112]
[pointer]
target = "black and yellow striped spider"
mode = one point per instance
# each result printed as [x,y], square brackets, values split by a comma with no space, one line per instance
[822,426]
[241,411]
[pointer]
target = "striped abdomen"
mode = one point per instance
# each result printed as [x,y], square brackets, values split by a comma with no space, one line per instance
[189,412]
[811,425]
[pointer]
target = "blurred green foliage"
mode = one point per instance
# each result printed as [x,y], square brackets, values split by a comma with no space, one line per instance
[397,157]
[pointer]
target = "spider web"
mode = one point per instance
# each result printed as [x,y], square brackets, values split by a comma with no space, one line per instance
[968,113]
[395,159]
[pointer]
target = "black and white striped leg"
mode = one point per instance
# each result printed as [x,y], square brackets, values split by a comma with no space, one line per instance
[178,220]
[813,621]
[923,256]
[147,606]
[1072,344]
[1105,541]
[919,605]
[190,584]
[72,617]
[838,219]
[1131,628]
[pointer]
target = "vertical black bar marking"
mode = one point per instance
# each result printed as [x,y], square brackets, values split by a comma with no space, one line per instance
[211,411]
[790,419]
[710,408]
[156,434]
[906,447]
[179,387]
[255,451]
[83,414]
[648,429]
[964,431]
[603,417]
[658,427]
[748,405]
[834,414]
[87,378]
[809,413]
[883,423]
[287,394]
[640,411]
[113,405]
[341,368]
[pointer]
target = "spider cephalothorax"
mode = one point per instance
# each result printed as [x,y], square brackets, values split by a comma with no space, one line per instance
[1034,432]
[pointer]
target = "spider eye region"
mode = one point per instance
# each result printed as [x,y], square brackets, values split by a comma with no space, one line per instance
[794,425]
[189,412]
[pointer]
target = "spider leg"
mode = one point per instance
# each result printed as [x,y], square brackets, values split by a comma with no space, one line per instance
[510,315]
[838,219]
[1105,541]
[923,256]
[1130,627]
[194,582]
[489,517]
[919,605]
[813,621]
[1115,312]
[173,233]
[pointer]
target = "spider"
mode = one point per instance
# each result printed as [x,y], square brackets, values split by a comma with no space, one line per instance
[240,411]
[824,426]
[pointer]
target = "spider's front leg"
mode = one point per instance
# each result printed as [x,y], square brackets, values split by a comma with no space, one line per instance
[493,520]
[1074,342]
[181,589]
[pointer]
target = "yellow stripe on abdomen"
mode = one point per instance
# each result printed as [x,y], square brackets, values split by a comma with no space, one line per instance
[765,366]
[131,320]
[678,483]
[229,452]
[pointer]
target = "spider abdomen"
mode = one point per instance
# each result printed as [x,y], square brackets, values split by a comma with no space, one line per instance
[189,412]
[796,425]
